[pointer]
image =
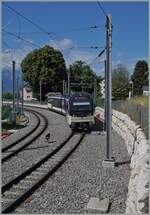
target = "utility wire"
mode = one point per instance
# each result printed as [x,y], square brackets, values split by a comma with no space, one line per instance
[27,19]
[6,44]
[99,55]
[78,29]
[45,31]
[88,47]
[69,30]
[101,8]
[21,38]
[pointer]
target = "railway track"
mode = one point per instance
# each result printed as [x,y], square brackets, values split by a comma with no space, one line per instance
[20,188]
[25,141]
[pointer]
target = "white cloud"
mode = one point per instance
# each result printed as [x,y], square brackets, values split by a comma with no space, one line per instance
[62,44]
[66,43]
[118,62]
[81,55]
[16,55]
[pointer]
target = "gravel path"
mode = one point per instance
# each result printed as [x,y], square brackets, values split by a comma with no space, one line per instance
[58,129]
[82,177]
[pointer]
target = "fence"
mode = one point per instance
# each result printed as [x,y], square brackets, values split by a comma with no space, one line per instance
[138,113]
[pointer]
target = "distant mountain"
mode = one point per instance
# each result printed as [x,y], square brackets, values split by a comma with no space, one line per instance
[7,79]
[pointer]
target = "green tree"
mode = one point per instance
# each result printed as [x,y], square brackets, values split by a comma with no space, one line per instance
[81,77]
[120,82]
[7,95]
[140,77]
[46,64]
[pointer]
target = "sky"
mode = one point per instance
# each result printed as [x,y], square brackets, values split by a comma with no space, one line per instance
[70,26]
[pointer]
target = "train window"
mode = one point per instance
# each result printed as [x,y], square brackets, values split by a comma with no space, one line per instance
[80,98]
[81,103]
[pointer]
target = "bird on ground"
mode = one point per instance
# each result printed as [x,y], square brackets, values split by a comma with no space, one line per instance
[47,137]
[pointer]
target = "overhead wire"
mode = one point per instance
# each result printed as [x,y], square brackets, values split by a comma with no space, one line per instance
[21,38]
[45,31]
[102,9]
[27,19]
[54,33]
[86,47]
[97,56]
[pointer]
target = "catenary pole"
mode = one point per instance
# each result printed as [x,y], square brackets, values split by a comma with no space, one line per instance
[22,96]
[109,161]
[2,90]
[17,94]
[105,96]
[40,91]
[63,87]
[14,88]
[68,82]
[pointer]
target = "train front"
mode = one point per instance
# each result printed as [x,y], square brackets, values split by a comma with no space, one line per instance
[80,111]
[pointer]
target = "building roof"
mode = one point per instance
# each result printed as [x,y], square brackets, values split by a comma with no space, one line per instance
[27,88]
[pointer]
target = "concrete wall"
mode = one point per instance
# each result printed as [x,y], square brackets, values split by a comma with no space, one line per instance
[138,149]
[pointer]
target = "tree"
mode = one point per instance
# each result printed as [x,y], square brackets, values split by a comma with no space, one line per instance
[81,77]
[7,95]
[140,77]
[120,82]
[45,64]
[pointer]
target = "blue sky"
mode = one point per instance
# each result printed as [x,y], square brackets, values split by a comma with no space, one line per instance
[130,32]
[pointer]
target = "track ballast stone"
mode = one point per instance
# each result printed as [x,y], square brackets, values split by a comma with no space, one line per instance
[59,131]
[83,177]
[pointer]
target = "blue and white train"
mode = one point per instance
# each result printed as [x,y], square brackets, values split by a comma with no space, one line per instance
[78,108]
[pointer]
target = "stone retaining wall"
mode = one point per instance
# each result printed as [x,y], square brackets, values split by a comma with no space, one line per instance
[138,149]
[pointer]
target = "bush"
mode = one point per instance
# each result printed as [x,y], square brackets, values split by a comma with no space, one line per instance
[6,112]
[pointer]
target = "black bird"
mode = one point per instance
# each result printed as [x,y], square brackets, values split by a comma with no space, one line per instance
[47,137]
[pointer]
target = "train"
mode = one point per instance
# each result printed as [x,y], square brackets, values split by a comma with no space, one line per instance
[78,109]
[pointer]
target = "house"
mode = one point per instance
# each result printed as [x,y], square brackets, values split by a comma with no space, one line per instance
[27,93]
[145,90]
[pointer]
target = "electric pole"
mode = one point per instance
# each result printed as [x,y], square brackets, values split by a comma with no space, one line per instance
[40,91]
[109,161]
[105,97]
[63,87]
[17,94]
[2,90]
[95,90]
[14,88]
[22,110]
[68,82]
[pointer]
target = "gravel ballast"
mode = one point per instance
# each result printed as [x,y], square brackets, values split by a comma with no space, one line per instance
[59,131]
[83,177]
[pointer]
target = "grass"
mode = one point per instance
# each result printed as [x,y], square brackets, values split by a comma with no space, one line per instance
[7,125]
[141,100]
